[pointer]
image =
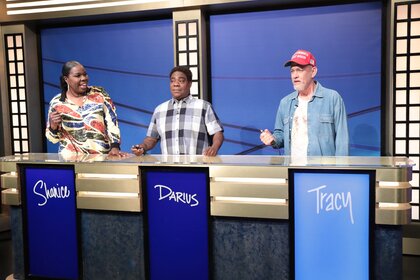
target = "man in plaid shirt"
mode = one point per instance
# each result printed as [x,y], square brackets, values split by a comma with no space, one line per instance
[184,125]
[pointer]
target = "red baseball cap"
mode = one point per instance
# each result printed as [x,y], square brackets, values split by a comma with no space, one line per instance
[301,57]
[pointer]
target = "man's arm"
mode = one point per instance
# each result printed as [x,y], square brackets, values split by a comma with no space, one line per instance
[278,132]
[148,144]
[217,143]
[342,133]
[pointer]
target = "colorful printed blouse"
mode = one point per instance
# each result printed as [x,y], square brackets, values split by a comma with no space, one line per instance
[89,129]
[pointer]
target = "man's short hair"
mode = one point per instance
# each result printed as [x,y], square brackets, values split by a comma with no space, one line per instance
[184,70]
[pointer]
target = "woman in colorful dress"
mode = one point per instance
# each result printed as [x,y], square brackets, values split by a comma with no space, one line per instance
[82,118]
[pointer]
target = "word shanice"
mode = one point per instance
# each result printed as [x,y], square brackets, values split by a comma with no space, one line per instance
[329,201]
[40,189]
[179,197]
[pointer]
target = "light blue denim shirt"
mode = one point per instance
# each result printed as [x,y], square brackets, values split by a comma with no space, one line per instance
[327,123]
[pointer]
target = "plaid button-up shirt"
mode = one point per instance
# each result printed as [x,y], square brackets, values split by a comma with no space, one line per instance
[183,127]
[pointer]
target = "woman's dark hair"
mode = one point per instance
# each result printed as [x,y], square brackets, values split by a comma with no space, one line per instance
[184,70]
[65,71]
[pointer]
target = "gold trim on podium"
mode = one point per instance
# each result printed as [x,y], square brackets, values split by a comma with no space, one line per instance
[393,214]
[8,166]
[252,192]
[240,186]
[9,184]
[9,180]
[249,171]
[393,192]
[402,174]
[106,168]
[254,210]
[113,187]
[100,184]
[108,201]
[10,197]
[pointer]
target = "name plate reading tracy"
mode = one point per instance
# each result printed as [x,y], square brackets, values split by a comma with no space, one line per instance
[50,223]
[177,211]
[332,217]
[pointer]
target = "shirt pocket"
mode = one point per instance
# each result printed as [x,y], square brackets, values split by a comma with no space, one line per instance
[326,118]
[287,126]
[192,123]
[326,128]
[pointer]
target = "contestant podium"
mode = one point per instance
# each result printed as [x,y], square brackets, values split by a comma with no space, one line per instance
[144,217]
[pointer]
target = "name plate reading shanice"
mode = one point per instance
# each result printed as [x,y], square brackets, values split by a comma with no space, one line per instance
[50,223]
[176,205]
[332,218]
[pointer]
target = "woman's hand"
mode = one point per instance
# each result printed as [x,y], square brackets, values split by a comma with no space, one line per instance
[115,152]
[55,120]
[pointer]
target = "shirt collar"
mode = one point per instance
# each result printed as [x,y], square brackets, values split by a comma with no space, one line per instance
[186,99]
[63,96]
[318,91]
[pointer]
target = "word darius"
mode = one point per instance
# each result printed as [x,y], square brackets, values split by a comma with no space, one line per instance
[326,201]
[180,197]
[40,189]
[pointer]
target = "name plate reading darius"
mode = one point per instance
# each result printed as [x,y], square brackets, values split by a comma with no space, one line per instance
[332,223]
[177,211]
[51,240]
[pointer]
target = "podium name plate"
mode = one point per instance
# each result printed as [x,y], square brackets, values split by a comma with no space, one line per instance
[177,216]
[332,224]
[50,222]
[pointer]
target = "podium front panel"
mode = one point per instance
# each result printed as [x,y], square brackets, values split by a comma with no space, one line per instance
[50,222]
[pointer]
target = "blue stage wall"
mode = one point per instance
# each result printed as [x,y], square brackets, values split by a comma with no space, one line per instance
[132,60]
[248,51]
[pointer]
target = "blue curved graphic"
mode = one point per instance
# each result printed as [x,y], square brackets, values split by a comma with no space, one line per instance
[248,51]
[132,61]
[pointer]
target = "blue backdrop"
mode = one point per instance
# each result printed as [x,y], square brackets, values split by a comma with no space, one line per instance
[248,51]
[132,61]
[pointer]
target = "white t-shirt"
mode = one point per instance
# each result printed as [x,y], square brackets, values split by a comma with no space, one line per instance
[300,130]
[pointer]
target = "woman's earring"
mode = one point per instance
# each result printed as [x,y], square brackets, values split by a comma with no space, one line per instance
[67,87]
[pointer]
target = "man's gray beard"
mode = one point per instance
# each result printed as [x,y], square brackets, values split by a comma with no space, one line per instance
[297,88]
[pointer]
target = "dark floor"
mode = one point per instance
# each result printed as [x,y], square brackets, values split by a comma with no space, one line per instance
[5,255]
[411,264]
[411,267]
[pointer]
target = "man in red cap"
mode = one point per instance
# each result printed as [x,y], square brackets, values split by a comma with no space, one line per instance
[312,120]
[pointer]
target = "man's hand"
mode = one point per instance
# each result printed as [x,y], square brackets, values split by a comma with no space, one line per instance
[138,150]
[266,137]
[210,151]
[148,144]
